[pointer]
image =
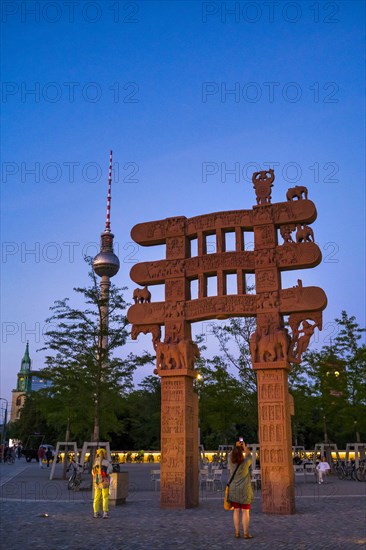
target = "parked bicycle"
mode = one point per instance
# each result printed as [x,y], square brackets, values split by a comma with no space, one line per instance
[139,457]
[115,458]
[76,476]
[345,470]
[361,471]
[10,458]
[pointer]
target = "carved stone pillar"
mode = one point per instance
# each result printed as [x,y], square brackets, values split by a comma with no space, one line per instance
[270,346]
[277,472]
[179,442]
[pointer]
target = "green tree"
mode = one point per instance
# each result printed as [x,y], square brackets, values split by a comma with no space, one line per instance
[88,379]
[139,417]
[337,378]
[234,341]
[348,348]
[33,420]
[228,406]
[224,409]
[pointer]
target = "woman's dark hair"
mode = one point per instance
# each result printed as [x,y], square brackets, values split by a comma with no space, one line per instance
[237,455]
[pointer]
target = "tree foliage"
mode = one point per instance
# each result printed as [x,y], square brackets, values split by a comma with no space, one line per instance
[337,378]
[89,377]
[228,402]
[34,420]
[139,417]
[329,388]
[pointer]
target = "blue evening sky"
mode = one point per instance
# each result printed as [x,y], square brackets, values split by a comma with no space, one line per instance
[192,97]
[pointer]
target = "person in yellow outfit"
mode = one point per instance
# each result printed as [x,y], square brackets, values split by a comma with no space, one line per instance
[101,470]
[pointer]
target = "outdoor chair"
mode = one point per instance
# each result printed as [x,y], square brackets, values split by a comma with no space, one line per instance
[256,479]
[299,470]
[214,480]
[155,478]
[310,470]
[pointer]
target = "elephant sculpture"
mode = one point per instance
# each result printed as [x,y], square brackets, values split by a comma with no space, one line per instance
[180,355]
[142,295]
[304,234]
[269,347]
[253,345]
[297,192]
[283,343]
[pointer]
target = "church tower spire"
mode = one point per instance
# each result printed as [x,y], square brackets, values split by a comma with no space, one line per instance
[25,365]
[24,385]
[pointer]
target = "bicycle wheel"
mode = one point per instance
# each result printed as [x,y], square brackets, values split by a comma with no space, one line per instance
[71,482]
[360,476]
[77,483]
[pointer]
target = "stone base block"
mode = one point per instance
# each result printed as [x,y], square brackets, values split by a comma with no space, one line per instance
[118,488]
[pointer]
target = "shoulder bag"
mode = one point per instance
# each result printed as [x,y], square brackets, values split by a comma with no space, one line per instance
[227,503]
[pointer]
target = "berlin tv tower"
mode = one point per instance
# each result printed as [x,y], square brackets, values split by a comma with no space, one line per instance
[106,265]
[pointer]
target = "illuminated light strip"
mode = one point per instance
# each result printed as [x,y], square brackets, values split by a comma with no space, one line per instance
[155,496]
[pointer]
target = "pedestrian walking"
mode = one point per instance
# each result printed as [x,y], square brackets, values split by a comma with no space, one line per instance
[49,456]
[240,488]
[101,471]
[40,455]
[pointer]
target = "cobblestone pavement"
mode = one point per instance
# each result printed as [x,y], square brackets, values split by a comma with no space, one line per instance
[327,516]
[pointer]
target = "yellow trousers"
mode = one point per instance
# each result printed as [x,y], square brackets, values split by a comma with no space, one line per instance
[101,494]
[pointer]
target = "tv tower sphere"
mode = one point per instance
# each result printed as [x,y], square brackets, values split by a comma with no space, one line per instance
[106,264]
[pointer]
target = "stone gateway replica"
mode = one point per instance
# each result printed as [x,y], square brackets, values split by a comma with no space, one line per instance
[273,347]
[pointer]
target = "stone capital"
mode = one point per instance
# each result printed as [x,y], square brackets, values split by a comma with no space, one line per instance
[272,365]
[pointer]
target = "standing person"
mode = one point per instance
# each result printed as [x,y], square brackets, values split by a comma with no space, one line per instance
[40,455]
[240,488]
[101,470]
[48,456]
[322,469]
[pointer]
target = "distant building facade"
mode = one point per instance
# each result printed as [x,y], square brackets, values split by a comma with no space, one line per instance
[28,380]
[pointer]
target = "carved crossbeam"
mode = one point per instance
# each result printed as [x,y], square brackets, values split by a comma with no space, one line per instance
[282,213]
[288,256]
[291,300]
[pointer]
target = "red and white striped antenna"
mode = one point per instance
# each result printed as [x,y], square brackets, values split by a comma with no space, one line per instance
[108,219]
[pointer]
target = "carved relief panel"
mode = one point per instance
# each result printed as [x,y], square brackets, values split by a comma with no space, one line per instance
[265,236]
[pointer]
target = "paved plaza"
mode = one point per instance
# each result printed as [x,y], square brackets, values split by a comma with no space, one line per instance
[327,516]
